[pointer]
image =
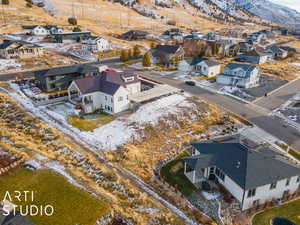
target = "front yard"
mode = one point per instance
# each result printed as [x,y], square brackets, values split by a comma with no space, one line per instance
[71,204]
[291,211]
[90,122]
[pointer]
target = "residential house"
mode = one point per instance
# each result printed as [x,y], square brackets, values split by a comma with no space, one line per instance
[40,30]
[240,75]
[19,49]
[96,44]
[277,52]
[108,92]
[59,78]
[211,36]
[166,55]
[184,66]
[206,67]
[134,35]
[256,38]
[254,56]
[71,36]
[245,47]
[253,175]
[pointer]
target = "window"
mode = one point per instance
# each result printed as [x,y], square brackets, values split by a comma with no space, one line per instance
[220,174]
[256,202]
[251,193]
[298,179]
[211,170]
[287,182]
[217,172]
[120,99]
[273,185]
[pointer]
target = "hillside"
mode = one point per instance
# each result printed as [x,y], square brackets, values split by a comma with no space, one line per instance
[107,19]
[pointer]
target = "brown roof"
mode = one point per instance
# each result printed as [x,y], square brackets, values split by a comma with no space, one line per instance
[109,82]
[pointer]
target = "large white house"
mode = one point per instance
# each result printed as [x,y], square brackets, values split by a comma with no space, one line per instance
[40,30]
[240,75]
[206,67]
[96,44]
[108,92]
[252,175]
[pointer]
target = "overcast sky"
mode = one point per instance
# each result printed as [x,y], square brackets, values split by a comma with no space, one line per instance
[294,4]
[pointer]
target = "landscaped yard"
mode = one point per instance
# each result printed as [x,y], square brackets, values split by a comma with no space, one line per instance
[90,122]
[173,173]
[291,211]
[71,204]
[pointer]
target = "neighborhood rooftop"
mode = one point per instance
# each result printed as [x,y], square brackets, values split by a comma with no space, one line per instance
[245,67]
[249,168]
[108,82]
[195,61]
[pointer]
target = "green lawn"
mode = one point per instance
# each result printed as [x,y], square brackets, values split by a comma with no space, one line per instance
[71,204]
[85,124]
[173,173]
[291,211]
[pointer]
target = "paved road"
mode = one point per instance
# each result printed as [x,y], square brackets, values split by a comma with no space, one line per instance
[256,114]
[279,96]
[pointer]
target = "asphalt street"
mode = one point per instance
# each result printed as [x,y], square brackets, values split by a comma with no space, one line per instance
[252,112]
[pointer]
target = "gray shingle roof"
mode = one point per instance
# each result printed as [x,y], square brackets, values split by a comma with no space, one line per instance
[248,168]
[169,49]
[208,62]
[8,43]
[108,82]
[246,67]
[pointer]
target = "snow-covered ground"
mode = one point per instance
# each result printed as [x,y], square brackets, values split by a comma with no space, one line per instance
[123,130]
[9,65]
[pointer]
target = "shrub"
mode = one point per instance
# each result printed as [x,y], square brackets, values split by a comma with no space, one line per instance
[72,21]
[28,5]
[5,2]
[76,29]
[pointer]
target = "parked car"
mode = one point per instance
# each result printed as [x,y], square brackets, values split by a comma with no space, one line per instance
[190,83]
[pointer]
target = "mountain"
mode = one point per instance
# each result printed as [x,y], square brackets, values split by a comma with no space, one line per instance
[270,11]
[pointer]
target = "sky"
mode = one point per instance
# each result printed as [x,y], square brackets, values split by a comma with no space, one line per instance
[294,4]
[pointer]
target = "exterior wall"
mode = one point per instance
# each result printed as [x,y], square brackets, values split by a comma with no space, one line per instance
[21,53]
[40,31]
[121,102]
[264,193]
[183,66]
[134,88]
[233,188]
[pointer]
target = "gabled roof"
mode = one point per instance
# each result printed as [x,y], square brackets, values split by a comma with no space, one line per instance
[16,44]
[245,67]
[208,62]
[249,168]
[169,49]
[109,82]
[47,27]
[255,53]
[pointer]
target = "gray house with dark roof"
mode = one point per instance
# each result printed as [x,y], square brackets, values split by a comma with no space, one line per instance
[240,75]
[59,78]
[253,175]
[108,92]
[166,55]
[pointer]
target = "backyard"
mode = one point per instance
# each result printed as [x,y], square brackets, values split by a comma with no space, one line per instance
[291,211]
[89,122]
[173,173]
[71,204]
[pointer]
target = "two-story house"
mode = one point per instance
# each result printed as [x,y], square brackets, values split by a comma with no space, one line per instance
[43,30]
[240,75]
[109,92]
[206,67]
[19,49]
[95,44]
[252,175]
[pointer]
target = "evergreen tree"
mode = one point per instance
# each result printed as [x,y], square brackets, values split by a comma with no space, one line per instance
[146,60]
[124,55]
[5,2]
[72,21]
[136,51]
